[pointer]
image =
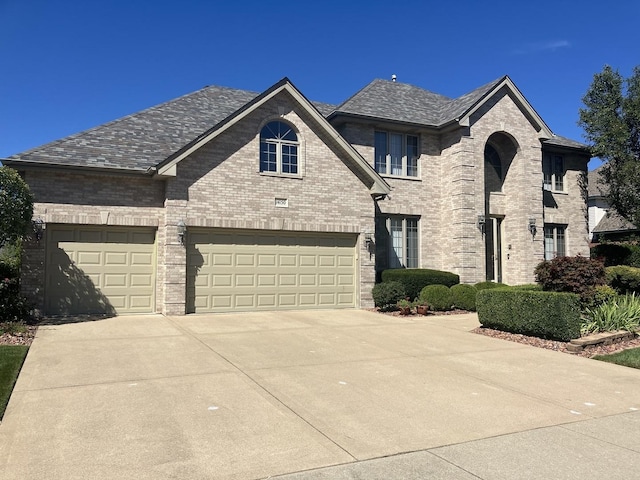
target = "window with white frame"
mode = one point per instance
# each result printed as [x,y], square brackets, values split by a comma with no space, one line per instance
[279,149]
[396,154]
[553,169]
[555,242]
[398,238]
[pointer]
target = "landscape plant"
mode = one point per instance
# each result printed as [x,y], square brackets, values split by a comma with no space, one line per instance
[551,315]
[415,279]
[464,296]
[386,295]
[438,297]
[619,313]
[579,275]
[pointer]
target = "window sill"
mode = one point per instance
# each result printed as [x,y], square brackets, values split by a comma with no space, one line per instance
[281,175]
[400,177]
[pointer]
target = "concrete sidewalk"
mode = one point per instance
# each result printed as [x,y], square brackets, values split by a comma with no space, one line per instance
[313,395]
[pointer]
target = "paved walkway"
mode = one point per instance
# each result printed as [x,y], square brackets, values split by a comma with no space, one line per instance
[313,395]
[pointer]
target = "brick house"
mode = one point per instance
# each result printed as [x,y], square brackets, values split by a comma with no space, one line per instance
[229,200]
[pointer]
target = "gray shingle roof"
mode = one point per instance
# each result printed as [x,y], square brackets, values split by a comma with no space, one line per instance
[565,142]
[595,187]
[144,139]
[401,102]
[612,222]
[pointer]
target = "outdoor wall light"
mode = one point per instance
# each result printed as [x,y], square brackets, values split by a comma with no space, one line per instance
[532,227]
[182,229]
[38,228]
[481,222]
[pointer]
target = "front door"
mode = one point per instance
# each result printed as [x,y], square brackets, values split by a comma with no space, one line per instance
[493,244]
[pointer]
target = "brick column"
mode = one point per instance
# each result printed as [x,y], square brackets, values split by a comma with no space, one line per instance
[174,265]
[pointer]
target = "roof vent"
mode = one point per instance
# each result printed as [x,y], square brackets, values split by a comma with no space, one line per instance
[393,77]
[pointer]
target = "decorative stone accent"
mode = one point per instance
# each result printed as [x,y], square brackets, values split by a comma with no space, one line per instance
[606,338]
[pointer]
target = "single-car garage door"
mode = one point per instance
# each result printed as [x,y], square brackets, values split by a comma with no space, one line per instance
[108,270]
[248,269]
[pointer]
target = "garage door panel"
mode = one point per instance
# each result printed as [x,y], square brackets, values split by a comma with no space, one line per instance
[99,270]
[270,270]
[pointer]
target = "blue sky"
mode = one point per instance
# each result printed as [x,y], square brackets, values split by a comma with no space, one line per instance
[68,65]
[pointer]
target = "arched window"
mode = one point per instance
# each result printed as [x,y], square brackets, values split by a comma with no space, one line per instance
[278,148]
[493,169]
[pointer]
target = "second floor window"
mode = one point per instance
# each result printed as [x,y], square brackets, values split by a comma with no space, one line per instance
[278,149]
[396,154]
[553,169]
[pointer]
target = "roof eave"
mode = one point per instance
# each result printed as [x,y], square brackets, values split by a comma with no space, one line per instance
[32,164]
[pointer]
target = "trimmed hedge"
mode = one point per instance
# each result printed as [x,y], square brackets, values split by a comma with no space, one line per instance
[617,254]
[624,279]
[415,279]
[549,315]
[437,297]
[487,285]
[464,296]
[386,295]
[527,286]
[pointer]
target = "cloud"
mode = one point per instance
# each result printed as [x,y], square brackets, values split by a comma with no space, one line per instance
[537,47]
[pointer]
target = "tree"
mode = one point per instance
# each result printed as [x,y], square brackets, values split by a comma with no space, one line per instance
[16,206]
[611,121]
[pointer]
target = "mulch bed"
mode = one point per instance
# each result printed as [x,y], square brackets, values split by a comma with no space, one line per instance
[19,338]
[588,351]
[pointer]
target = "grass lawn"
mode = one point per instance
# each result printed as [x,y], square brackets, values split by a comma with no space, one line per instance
[11,359]
[628,358]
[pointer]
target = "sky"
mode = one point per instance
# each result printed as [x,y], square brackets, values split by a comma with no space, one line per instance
[69,65]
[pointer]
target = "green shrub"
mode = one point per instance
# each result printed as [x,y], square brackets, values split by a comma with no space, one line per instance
[579,275]
[618,313]
[464,296]
[603,294]
[623,279]
[437,297]
[10,258]
[13,305]
[617,254]
[487,285]
[527,287]
[387,294]
[541,314]
[415,279]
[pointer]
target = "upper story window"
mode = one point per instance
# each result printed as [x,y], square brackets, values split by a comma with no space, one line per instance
[279,149]
[396,154]
[553,169]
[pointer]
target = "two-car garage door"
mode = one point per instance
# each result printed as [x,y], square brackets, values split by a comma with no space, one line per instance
[235,270]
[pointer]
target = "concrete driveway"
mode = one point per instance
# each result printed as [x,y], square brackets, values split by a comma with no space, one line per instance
[312,395]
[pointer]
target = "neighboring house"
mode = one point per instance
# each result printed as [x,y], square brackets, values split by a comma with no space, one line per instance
[605,223]
[228,200]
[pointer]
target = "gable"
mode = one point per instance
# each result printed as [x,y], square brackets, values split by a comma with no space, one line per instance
[303,107]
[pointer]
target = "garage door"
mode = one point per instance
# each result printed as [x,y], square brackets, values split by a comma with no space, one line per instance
[100,270]
[248,270]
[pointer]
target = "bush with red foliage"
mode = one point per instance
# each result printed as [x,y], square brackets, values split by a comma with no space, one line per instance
[578,275]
